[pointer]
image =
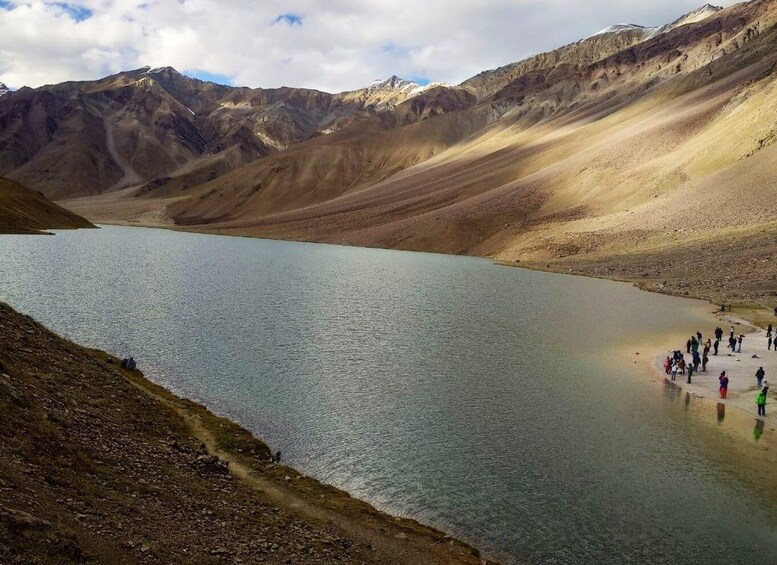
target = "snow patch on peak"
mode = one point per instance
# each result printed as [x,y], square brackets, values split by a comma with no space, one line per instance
[620,28]
[4,89]
[696,16]
[393,83]
[429,86]
[691,17]
[162,70]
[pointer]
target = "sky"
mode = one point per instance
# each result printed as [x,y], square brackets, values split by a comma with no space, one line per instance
[330,45]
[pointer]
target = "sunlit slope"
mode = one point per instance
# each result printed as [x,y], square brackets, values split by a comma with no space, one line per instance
[666,145]
[560,186]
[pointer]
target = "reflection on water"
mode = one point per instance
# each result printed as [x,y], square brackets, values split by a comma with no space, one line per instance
[496,403]
[759,429]
[721,411]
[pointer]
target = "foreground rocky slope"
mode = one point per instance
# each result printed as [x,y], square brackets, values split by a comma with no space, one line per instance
[98,465]
[25,211]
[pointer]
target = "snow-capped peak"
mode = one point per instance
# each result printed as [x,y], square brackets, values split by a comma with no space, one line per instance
[162,70]
[621,28]
[4,89]
[696,16]
[424,88]
[691,17]
[393,83]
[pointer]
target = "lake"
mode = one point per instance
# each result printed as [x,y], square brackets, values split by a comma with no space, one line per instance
[501,405]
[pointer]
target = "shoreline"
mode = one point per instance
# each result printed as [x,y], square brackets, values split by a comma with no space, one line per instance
[752,313]
[343,528]
[739,367]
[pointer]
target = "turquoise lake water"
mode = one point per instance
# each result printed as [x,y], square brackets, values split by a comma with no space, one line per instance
[494,403]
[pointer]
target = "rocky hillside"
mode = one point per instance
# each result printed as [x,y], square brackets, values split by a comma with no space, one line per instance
[654,143]
[152,128]
[657,154]
[97,465]
[76,139]
[25,211]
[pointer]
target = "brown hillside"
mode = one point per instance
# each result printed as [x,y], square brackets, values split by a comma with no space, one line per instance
[636,166]
[25,211]
[98,465]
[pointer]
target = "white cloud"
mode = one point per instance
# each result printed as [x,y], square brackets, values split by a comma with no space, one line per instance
[331,45]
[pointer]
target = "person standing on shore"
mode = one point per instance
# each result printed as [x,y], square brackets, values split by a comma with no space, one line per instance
[759,377]
[741,337]
[732,343]
[668,365]
[696,360]
[704,361]
[681,364]
[690,373]
[716,345]
[675,367]
[723,384]
[765,388]
[688,345]
[707,346]
[718,333]
[760,401]
[769,341]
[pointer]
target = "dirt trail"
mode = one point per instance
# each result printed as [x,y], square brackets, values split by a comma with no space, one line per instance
[403,547]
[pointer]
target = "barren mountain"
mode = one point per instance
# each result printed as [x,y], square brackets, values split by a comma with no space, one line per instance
[25,211]
[696,16]
[158,126]
[635,153]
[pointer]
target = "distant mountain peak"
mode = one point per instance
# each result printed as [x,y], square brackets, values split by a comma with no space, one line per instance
[161,71]
[695,16]
[4,89]
[393,83]
[623,28]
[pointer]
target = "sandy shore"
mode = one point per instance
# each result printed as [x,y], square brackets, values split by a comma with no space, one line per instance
[740,369]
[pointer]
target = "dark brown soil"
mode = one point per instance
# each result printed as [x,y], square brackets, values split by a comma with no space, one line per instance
[25,211]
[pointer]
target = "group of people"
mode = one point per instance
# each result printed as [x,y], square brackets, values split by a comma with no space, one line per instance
[676,364]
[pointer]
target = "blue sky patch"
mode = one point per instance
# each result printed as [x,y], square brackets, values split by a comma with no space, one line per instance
[76,12]
[423,81]
[5,5]
[209,77]
[290,19]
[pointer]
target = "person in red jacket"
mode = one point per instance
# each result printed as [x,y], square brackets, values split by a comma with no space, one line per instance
[723,384]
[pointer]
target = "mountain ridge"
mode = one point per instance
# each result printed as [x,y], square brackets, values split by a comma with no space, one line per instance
[552,159]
